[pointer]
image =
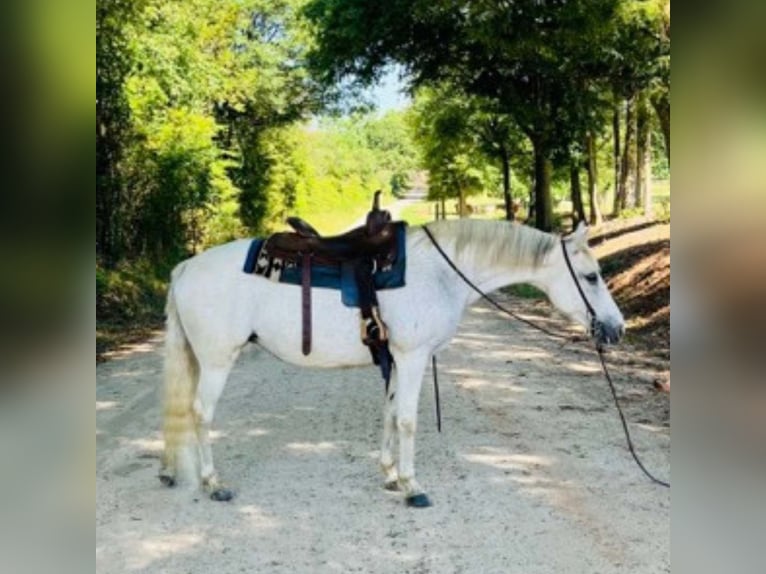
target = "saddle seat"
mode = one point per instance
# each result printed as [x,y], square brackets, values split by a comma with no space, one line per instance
[376,239]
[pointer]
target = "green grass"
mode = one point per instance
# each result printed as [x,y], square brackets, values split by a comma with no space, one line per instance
[525,291]
[130,301]
[417,213]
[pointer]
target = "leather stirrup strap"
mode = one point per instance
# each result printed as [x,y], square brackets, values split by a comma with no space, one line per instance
[306,301]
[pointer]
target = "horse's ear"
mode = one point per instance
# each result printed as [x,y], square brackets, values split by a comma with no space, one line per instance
[579,236]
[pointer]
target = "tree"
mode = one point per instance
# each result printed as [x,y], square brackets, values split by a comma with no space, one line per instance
[186,93]
[591,161]
[451,133]
[114,60]
[640,70]
[529,58]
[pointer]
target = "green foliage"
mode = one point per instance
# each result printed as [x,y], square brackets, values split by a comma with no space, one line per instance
[446,129]
[525,291]
[130,293]
[337,163]
[418,213]
[540,64]
[190,93]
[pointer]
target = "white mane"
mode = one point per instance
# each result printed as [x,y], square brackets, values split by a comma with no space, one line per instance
[492,243]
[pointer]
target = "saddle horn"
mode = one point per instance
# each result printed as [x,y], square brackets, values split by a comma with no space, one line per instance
[376,200]
[377,218]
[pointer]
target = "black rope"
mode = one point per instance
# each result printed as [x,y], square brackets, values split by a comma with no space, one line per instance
[436,395]
[625,424]
[599,349]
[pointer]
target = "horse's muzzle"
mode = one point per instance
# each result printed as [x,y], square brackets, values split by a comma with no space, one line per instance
[607,333]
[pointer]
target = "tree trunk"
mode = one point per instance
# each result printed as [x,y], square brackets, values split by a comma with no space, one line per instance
[507,183]
[647,199]
[444,208]
[661,104]
[543,200]
[531,204]
[578,210]
[621,195]
[108,192]
[461,203]
[642,149]
[592,170]
[617,155]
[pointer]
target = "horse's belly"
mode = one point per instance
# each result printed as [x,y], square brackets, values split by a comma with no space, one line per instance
[335,328]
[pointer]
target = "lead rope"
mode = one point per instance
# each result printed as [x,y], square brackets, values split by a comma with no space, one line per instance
[599,348]
[436,395]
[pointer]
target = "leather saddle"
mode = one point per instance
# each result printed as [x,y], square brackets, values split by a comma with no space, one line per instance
[365,248]
[376,238]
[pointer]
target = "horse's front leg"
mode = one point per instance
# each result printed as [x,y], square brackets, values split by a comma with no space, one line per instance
[387,463]
[410,368]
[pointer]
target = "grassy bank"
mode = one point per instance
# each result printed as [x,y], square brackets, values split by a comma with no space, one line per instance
[130,304]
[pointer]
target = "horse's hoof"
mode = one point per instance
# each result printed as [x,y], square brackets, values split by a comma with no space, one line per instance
[222,494]
[392,485]
[169,481]
[418,501]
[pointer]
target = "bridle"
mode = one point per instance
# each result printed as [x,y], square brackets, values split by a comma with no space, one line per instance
[594,326]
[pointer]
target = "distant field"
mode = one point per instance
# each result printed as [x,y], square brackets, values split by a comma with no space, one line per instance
[491,207]
[484,208]
[418,213]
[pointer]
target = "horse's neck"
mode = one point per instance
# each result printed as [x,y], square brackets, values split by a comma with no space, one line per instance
[490,277]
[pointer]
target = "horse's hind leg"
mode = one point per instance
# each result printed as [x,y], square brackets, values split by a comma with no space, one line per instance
[387,463]
[211,383]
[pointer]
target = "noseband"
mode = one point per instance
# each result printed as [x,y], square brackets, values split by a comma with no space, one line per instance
[594,325]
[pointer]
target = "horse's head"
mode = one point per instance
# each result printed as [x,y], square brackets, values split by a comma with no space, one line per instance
[576,288]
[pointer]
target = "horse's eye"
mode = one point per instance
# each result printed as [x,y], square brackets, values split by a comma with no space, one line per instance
[592,278]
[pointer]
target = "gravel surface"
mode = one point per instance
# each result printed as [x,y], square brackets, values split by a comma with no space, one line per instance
[530,474]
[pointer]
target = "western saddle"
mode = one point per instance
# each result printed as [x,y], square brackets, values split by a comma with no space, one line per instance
[366,249]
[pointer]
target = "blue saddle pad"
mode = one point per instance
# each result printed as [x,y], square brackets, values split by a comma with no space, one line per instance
[329,276]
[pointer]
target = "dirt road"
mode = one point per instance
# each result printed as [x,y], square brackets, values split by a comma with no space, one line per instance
[530,475]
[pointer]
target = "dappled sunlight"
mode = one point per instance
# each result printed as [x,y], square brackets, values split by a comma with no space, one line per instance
[528,474]
[474,383]
[589,368]
[528,480]
[474,336]
[257,432]
[257,518]
[311,447]
[655,429]
[161,547]
[138,373]
[148,445]
[216,435]
[503,460]
[106,405]
[131,349]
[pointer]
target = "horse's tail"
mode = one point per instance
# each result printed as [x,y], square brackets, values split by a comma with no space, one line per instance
[181,376]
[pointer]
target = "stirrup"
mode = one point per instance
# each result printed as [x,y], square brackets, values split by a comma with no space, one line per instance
[373,324]
[381,325]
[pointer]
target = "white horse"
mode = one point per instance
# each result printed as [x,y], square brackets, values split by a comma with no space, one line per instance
[214,309]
